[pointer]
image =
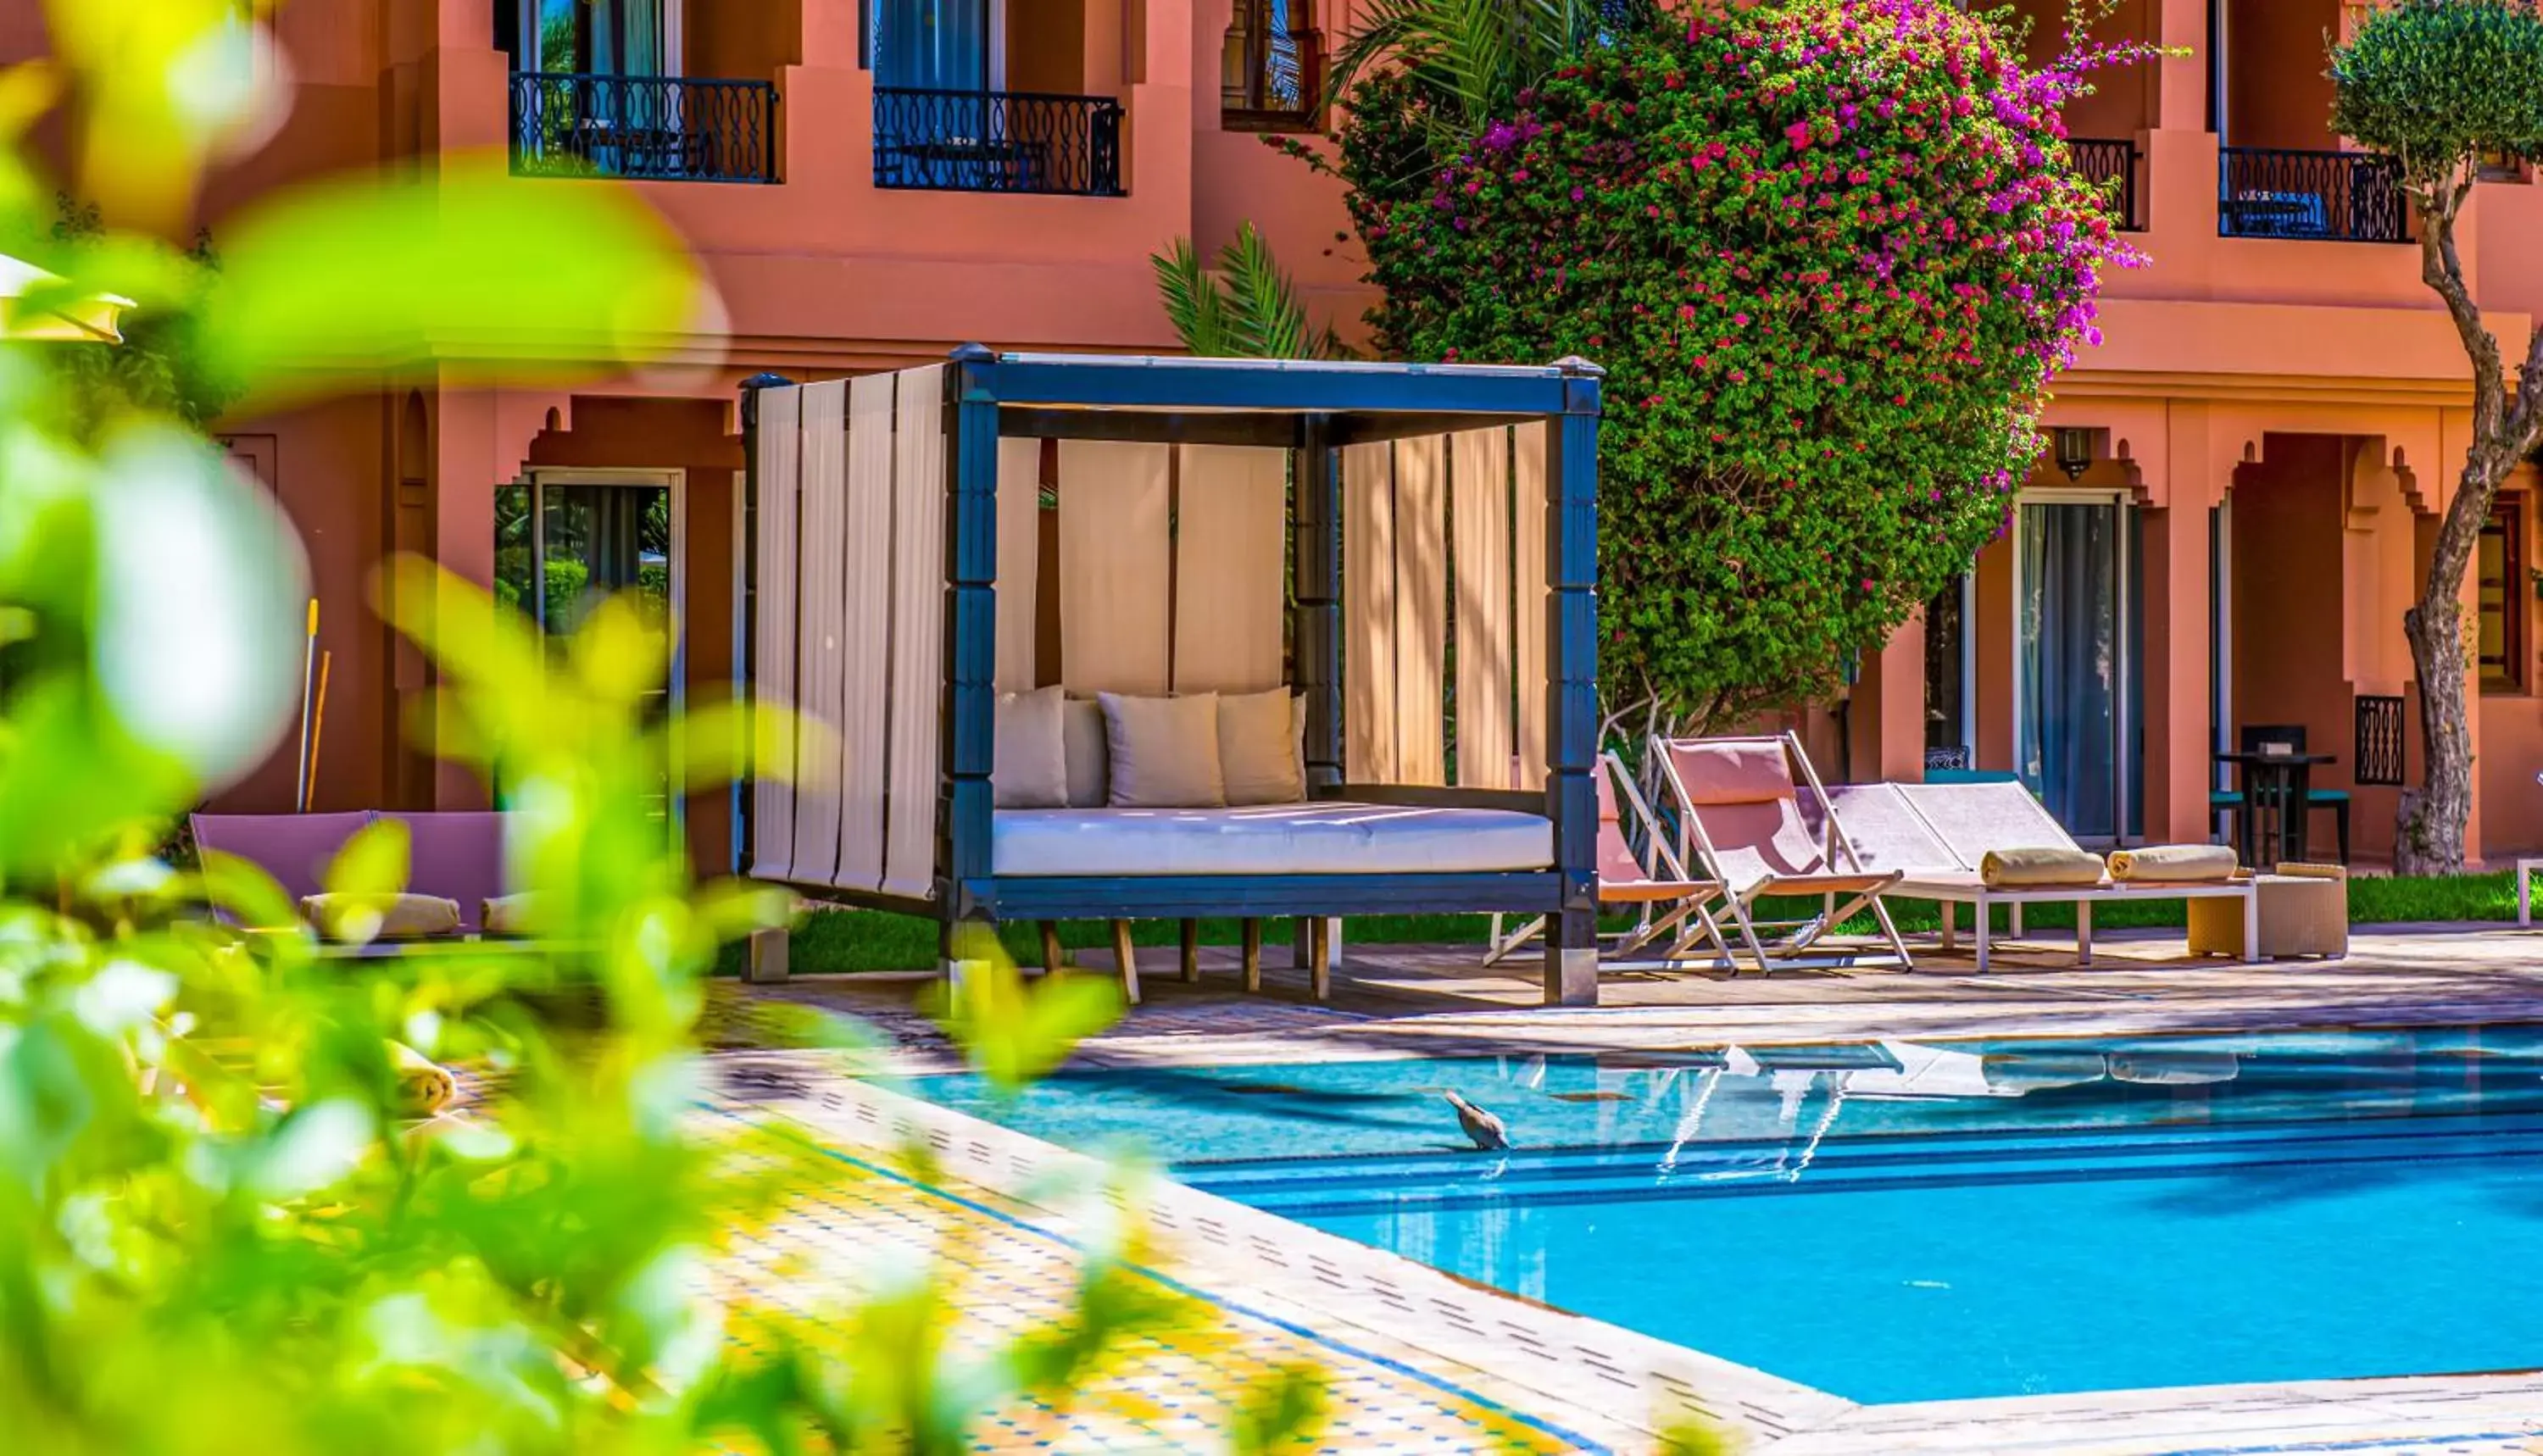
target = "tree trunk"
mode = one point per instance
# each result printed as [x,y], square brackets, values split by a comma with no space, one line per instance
[2428,833]
[2428,836]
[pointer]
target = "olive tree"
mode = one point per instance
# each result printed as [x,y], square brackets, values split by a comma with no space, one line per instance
[2435,85]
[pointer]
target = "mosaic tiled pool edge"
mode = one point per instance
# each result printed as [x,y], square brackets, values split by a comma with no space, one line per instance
[1609,1384]
[1244,1248]
[1436,1409]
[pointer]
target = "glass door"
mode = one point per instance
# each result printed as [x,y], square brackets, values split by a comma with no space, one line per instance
[1951,675]
[931,45]
[595,538]
[2074,688]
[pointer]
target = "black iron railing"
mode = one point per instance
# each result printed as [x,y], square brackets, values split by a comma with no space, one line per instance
[662,127]
[997,141]
[2113,164]
[2330,196]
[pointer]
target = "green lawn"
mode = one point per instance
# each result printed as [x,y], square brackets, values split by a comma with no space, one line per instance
[871,940]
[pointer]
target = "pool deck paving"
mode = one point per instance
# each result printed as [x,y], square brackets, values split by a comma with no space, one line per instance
[1422,1361]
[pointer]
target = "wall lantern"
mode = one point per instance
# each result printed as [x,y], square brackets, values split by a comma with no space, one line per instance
[2074,451]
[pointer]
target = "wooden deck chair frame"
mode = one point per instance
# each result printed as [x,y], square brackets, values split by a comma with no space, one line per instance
[1782,945]
[1688,922]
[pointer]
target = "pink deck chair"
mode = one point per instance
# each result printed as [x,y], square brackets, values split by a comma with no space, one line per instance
[1739,815]
[1667,898]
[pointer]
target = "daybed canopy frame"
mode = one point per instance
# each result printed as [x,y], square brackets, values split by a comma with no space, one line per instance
[930,854]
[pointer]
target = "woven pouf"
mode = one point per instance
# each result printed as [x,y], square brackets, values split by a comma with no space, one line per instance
[2304,911]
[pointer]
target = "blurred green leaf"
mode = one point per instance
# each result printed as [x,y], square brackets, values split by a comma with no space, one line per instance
[1010,1035]
[373,861]
[1283,1412]
[472,274]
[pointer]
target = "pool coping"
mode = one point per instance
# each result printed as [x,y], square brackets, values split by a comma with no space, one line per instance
[1611,1385]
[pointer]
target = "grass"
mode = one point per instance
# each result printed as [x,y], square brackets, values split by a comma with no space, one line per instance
[828,940]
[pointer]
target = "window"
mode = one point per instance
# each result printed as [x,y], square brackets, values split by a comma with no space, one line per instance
[2500,563]
[1947,677]
[1272,72]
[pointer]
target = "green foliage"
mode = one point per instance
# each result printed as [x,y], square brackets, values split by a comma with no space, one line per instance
[221,1225]
[2437,83]
[1251,311]
[1014,1035]
[1830,254]
[162,366]
[1462,62]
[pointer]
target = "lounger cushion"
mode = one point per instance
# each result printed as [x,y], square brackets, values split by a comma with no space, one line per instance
[1733,771]
[294,849]
[2008,869]
[2173,864]
[1163,751]
[1320,838]
[1090,782]
[1031,745]
[456,854]
[400,917]
[1259,754]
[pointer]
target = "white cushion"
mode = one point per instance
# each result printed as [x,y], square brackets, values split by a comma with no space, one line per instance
[1323,838]
[1163,751]
[1030,748]
[1260,747]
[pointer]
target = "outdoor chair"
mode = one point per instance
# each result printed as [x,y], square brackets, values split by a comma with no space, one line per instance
[453,856]
[294,850]
[2260,738]
[1937,837]
[1738,813]
[1668,902]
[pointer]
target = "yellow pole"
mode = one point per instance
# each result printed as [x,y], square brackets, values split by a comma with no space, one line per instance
[308,686]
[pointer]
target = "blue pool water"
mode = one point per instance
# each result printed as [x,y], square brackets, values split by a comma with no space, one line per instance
[1902,1221]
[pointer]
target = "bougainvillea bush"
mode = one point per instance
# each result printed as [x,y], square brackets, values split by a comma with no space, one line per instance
[1831,254]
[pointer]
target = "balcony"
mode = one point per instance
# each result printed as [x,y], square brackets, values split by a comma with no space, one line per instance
[2111,165]
[2324,196]
[997,141]
[652,127]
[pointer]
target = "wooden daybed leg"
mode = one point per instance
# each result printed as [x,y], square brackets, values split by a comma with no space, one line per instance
[1253,939]
[1192,952]
[1320,957]
[768,957]
[1050,948]
[2083,932]
[1128,963]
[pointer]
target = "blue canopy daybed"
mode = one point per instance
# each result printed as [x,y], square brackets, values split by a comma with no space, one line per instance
[1393,563]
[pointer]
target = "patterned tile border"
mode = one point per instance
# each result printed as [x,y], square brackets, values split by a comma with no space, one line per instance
[1610,1386]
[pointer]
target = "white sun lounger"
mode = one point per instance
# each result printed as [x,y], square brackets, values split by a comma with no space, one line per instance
[1935,837]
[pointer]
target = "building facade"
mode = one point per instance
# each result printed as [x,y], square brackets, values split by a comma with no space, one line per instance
[867,183]
[2253,467]
[2242,488]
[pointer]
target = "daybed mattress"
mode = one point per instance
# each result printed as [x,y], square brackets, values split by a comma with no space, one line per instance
[1321,838]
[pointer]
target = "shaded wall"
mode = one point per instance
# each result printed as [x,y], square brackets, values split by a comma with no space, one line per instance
[2287,606]
[2278,91]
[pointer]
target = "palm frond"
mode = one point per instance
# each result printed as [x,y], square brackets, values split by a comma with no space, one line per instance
[1470,58]
[1265,317]
[1195,303]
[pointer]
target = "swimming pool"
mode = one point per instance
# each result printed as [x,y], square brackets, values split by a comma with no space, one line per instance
[1903,1221]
